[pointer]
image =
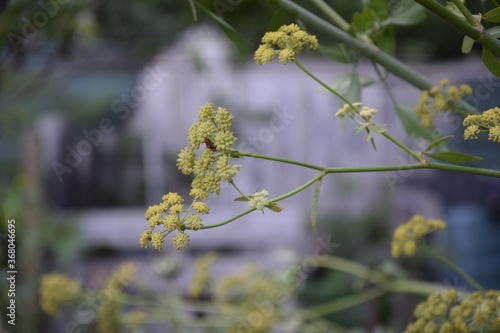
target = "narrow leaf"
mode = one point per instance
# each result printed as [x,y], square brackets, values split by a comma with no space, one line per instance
[241,199]
[407,12]
[437,143]
[349,85]
[314,206]
[467,44]
[193,10]
[454,157]
[490,61]
[412,125]
[493,15]
[239,41]
[495,31]
[339,53]
[274,207]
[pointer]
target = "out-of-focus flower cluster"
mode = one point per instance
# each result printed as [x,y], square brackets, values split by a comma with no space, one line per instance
[437,99]
[252,300]
[488,121]
[288,41]
[57,290]
[445,313]
[201,276]
[407,236]
[210,168]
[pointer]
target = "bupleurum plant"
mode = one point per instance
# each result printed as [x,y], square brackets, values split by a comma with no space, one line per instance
[488,121]
[439,99]
[210,168]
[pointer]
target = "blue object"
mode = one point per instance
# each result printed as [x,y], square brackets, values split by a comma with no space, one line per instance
[474,238]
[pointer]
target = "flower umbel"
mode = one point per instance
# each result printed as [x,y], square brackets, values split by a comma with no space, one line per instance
[259,200]
[211,167]
[445,312]
[488,121]
[56,290]
[407,236]
[441,94]
[288,41]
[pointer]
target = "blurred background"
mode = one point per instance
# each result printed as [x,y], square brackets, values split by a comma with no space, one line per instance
[97,97]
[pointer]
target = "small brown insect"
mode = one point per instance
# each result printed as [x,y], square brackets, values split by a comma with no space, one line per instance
[209,144]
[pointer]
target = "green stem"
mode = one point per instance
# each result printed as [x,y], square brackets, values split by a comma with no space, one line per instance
[438,166]
[405,148]
[343,303]
[282,160]
[445,261]
[466,13]
[414,287]
[464,169]
[324,85]
[332,14]
[279,198]
[364,272]
[239,191]
[478,33]
[428,165]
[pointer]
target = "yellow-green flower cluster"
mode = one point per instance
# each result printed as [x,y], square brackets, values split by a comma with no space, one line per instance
[445,313]
[365,112]
[55,291]
[201,276]
[407,236]
[437,100]
[211,168]
[288,41]
[488,121]
[109,318]
[259,200]
[251,299]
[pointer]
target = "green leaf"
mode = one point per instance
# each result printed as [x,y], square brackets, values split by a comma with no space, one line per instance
[495,31]
[407,12]
[359,128]
[452,8]
[493,15]
[339,53]
[366,80]
[454,157]
[378,5]
[274,207]
[314,206]
[490,61]
[239,41]
[193,10]
[349,85]
[467,44]
[242,199]
[412,125]
[386,40]
[437,143]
